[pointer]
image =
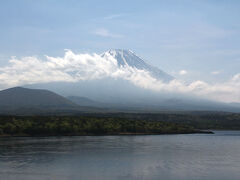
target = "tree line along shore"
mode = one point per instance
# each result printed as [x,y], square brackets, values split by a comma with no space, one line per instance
[87,125]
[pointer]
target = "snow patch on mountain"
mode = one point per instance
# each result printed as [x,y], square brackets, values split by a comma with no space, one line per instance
[127,58]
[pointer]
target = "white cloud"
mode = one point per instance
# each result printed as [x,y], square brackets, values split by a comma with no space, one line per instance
[215,72]
[106,33]
[80,67]
[182,72]
[236,78]
[114,16]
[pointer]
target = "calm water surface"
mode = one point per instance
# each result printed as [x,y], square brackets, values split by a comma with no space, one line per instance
[181,157]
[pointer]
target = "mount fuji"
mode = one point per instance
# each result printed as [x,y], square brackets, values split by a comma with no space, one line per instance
[129,58]
[120,93]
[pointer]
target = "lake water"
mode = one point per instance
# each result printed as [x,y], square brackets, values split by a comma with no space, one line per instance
[182,157]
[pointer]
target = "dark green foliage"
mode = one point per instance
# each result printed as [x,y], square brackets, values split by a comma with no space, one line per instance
[198,120]
[118,123]
[86,125]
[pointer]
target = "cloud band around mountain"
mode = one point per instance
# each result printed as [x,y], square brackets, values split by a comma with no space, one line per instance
[80,67]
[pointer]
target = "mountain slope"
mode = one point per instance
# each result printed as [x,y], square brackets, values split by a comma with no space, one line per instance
[128,58]
[14,99]
[83,101]
[158,104]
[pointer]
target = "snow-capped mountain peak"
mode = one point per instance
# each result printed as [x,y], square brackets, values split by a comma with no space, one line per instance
[129,58]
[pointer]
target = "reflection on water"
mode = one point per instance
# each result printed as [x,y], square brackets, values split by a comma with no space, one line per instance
[196,156]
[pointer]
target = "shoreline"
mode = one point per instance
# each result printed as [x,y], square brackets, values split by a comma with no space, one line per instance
[107,134]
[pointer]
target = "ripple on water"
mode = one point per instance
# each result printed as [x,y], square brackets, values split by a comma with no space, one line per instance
[122,157]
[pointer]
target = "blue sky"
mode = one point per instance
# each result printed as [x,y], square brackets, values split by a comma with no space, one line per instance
[200,37]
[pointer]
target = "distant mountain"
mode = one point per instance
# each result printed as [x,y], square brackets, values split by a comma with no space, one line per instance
[24,101]
[235,104]
[23,97]
[128,58]
[123,95]
[158,105]
[83,101]
[195,104]
[19,99]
